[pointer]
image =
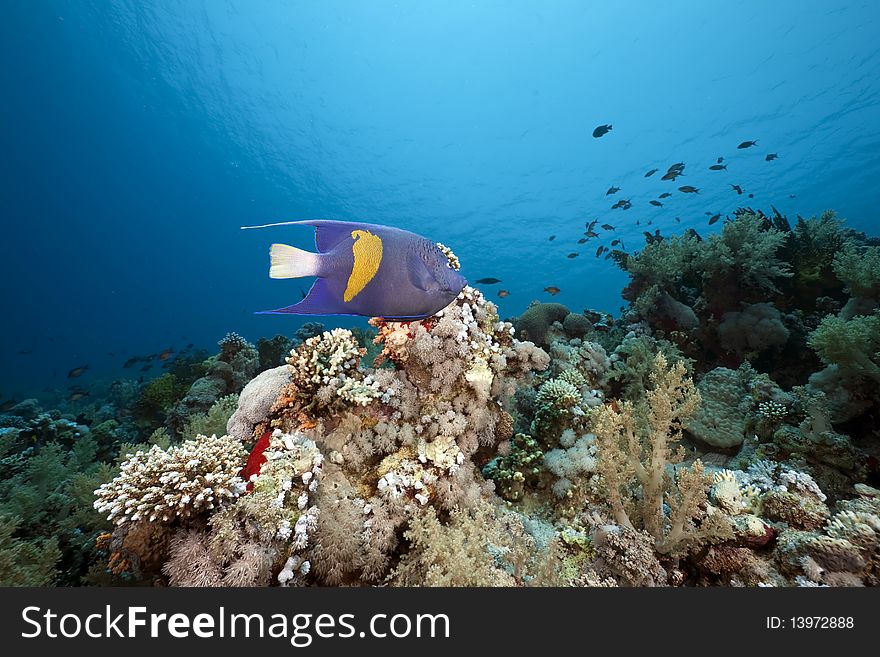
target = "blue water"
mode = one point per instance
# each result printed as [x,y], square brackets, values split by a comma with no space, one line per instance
[139,135]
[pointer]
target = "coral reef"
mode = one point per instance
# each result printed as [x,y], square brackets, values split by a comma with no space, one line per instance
[723,431]
[386,446]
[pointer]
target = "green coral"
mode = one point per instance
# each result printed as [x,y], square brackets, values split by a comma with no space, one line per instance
[667,262]
[25,562]
[212,423]
[748,252]
[46,501]
[859,269]
[635,362]
[160,394]
[558,394]
[852,344]
[521,466]
[811,249]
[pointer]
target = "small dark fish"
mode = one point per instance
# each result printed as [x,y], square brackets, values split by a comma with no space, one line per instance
[690,232]
[599,251]
[582,240]
[606,227]
[612,190]
[605,249]
[714,218]
[592,224]
[720,160]
[619,204]
[572,255]
[552,290]
[687,189]
[748,144]
[650,173]
[76,395]
[615,242]
[552,237]
[165,355]
[650,221]
[503,293]
[488,281]
[671,175]
[791,196]
[601,130]
[77,371]
[665,195]
[677,220]
[771,156]
[718,167]
[751,196]
[657,203]
[591,233]
[737,189]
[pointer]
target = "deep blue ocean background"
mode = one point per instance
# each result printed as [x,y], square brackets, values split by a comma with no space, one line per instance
[137,136]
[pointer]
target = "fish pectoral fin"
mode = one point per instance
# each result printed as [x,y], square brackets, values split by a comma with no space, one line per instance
[291,262]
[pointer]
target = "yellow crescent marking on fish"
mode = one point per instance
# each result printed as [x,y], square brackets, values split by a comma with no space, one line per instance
[367,249]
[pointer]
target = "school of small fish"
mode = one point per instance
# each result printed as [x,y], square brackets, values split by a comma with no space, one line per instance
[673,171]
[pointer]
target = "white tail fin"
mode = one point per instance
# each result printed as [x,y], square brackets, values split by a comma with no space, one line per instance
[290,262]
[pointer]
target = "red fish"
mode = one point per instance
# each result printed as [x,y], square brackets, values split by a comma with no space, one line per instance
[256,459]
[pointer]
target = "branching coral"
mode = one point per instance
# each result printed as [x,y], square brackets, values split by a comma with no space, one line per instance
[635,447]
[749,252]
[853,345]
[859,269]
[664,263]
[518,467]
[324,374]
[261,535]
[187,479]
[475,548]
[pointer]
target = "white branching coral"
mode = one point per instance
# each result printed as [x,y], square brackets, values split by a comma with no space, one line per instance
[454,262]
[558,393]
[730,495]
[323,357]
[772,410]
[324,369]
[187,479]
[770,476]
[264,534]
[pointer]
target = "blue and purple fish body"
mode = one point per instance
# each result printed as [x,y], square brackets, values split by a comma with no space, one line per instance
[368,270]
